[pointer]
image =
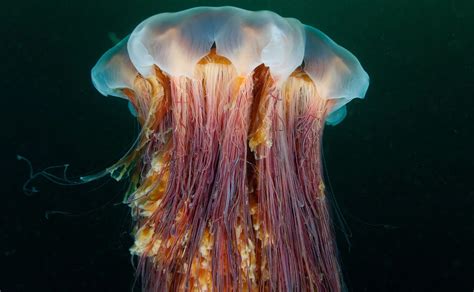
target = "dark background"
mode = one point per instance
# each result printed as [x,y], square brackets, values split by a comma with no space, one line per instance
[400,165]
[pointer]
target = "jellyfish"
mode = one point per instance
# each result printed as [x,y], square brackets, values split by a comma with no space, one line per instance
[226,180]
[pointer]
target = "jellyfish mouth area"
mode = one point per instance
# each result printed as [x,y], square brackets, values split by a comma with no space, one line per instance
[226,186]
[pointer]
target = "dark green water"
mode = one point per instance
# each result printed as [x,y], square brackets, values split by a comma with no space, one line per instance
[401,163]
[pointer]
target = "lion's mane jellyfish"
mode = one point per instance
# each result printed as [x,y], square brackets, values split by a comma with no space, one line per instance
[227,190]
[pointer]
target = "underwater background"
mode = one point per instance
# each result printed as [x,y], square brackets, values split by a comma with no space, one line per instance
[401,164]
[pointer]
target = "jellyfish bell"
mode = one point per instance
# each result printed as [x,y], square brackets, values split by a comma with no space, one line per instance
[335,70]
[226,189]
[114,71]
[176,41]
